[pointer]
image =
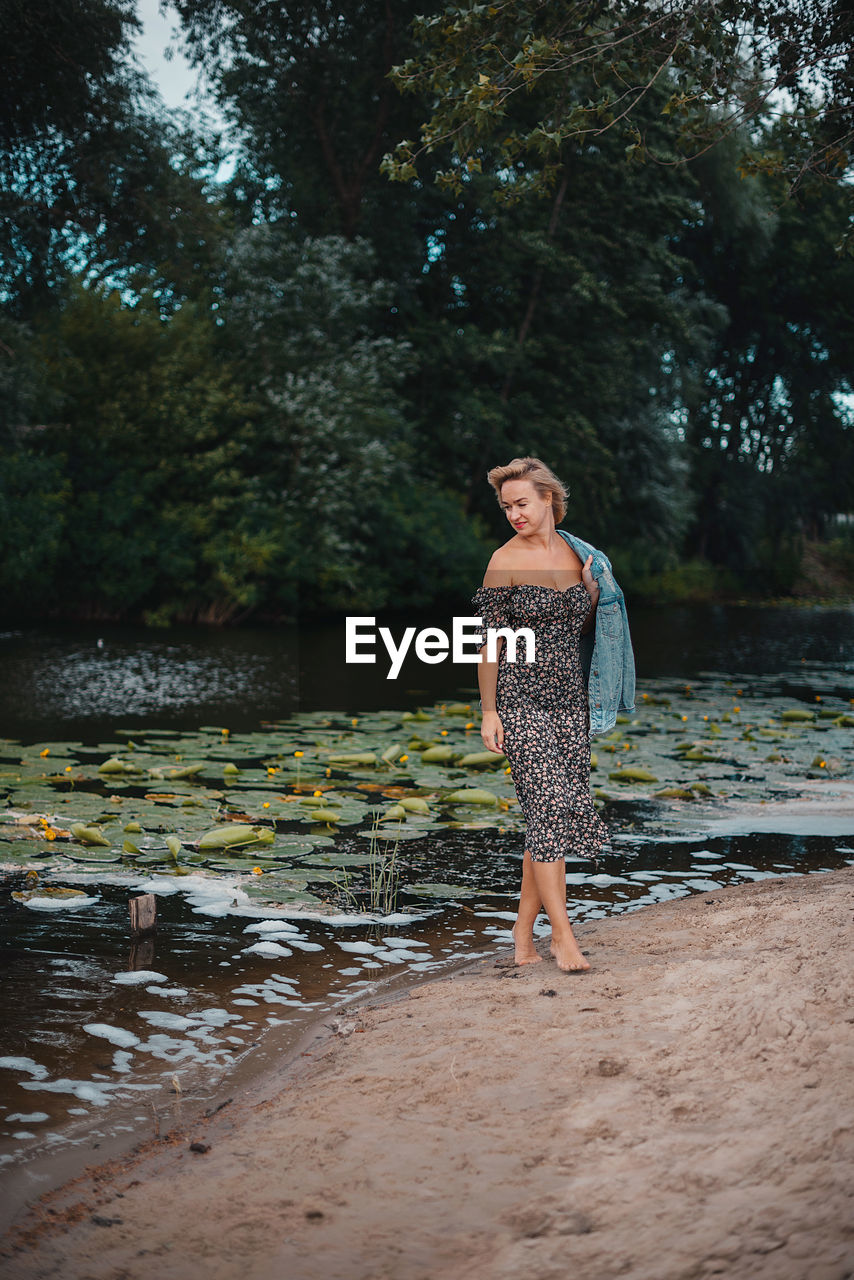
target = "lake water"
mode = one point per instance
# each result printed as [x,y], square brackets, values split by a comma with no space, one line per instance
[102,1039]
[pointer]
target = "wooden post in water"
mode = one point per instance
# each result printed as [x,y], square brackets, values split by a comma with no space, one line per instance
[143,913]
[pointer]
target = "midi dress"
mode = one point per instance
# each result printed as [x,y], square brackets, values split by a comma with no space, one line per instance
[544,711]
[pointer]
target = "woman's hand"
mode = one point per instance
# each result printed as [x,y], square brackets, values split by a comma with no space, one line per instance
[589,581]
[492,732]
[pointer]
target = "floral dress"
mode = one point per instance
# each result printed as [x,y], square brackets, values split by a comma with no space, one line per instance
[543,708]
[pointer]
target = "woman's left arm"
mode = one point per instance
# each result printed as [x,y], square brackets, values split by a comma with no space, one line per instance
[593,591]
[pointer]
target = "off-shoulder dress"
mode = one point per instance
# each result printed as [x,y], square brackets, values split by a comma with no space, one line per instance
[543,708]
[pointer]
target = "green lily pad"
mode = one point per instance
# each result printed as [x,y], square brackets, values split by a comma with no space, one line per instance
[480,759]
[441,890]
[632,774]
[471,795]
[116,766]
[88,835]
[267,891]
[414,804]
[443,754]
[335,859]
[61,894]
[235,834]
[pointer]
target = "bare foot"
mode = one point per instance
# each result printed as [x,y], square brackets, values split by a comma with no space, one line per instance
[525,951]
[568,955]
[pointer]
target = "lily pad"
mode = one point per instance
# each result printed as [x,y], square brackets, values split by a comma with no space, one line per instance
[471,795]
[632,774]
[441,890]
[89,835]
[439,755]
[481,759]
[236,834]
[267,890]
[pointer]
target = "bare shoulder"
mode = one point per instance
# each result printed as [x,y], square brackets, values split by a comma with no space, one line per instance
[498,572]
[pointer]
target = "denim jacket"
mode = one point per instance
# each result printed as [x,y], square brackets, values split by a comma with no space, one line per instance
[610,666]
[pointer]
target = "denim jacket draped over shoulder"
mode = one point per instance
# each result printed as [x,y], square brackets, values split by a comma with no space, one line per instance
[607,656]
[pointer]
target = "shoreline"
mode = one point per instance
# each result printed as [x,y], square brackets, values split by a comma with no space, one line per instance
[690,1129]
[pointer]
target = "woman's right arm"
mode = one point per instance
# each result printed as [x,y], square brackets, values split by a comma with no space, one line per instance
[491,729]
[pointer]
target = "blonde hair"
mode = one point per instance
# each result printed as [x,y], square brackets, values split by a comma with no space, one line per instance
[542,478]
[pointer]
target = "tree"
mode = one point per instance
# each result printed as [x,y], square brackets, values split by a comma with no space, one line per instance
[94,178]
[307,87]
[771,440]
[593,67]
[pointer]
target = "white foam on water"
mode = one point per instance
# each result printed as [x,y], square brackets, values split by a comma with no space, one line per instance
[273,995]
[34,1117]
[35,1069]
[161,1018]
[306,946]
[60,904]
[390,957]
[396,917]
[366,948]
[171,1050]
[122,1060]
[666,891]
[349,973]
[23,1133]
[215,1017]
[270,926]
[498,915]
[86,1090]
[704,886]
[134,977]
[115,1035]
[279,935]
[167,991]
[268,948]
[405,942]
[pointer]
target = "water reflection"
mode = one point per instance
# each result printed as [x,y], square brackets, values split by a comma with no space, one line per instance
[75,680]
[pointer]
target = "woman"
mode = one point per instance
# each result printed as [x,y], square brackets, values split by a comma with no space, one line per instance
[538,714]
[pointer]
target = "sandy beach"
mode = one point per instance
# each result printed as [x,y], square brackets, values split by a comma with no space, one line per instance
[681,1110]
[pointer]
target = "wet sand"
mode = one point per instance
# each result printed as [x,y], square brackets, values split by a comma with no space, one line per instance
[681,1110]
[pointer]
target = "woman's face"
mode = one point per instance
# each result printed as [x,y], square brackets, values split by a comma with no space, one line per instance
[525,509]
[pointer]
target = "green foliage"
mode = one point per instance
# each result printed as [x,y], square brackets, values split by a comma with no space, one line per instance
[592,69]
[282,395]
